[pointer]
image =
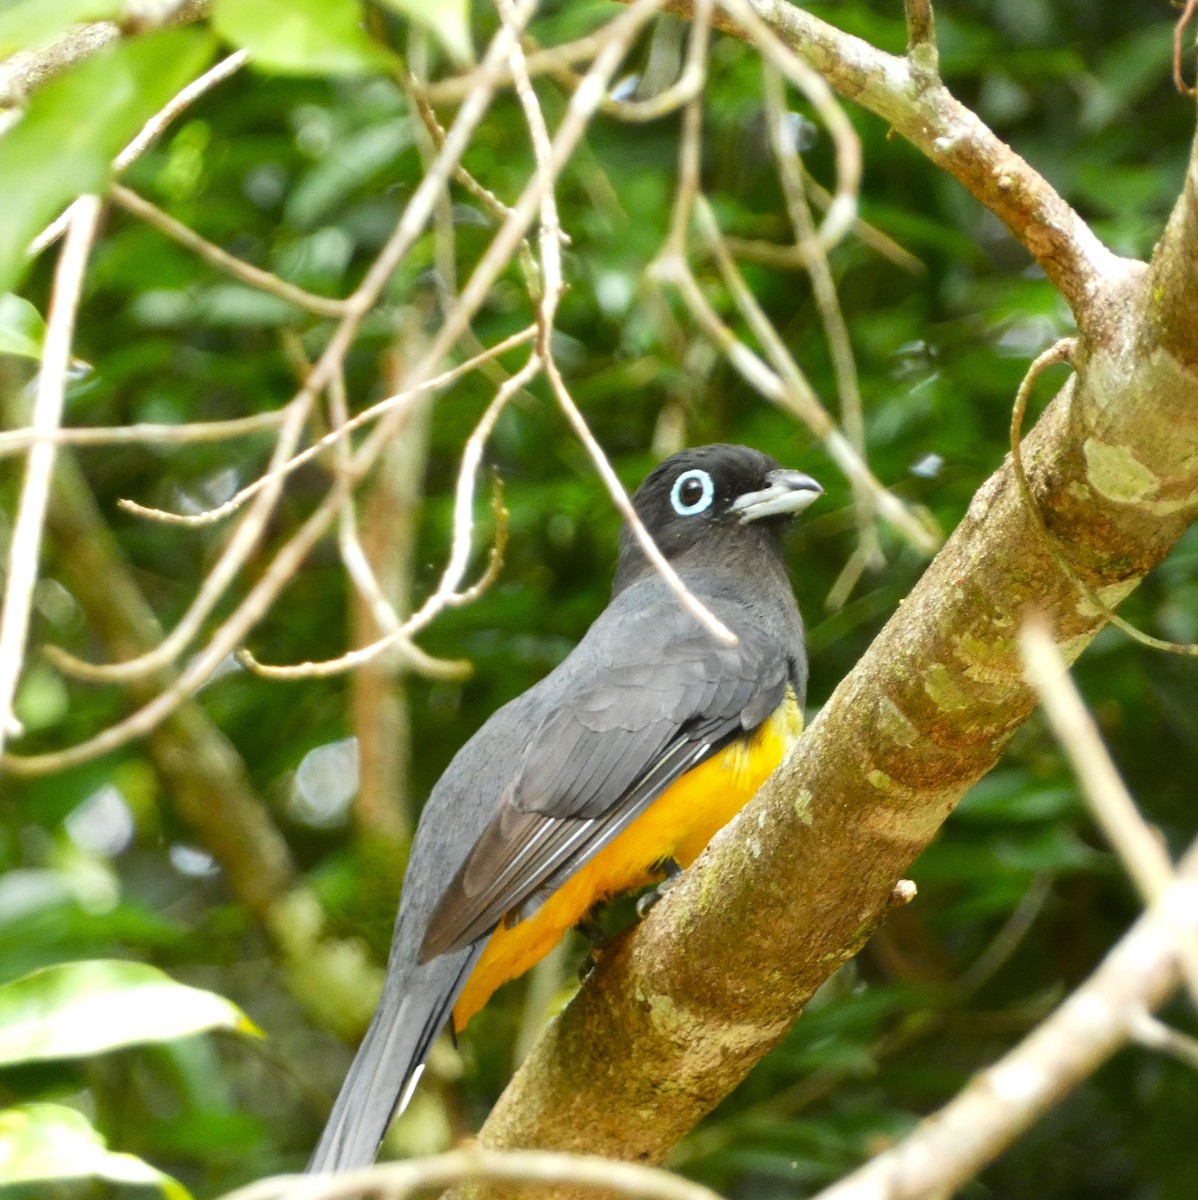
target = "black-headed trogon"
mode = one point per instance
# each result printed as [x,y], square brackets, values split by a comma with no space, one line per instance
[631,754]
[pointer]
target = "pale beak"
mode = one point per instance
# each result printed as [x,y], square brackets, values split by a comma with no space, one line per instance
[789,492]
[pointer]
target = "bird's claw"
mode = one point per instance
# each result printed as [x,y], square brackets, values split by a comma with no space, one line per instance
[649,899]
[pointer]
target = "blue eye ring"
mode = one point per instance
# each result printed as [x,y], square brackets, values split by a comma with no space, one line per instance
[706,495]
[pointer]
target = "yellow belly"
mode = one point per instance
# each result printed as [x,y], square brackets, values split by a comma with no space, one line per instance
[678,825]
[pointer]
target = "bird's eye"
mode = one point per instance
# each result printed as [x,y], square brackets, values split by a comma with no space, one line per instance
[692,493]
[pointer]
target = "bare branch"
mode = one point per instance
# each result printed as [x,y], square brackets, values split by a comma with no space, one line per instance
[790,174]
[641,112]
[447,593]
[793,394]
[152,130]
[1137,845]
[397,1181]
[222,260]
[690,152]
[537,62]
[484,195]
[16,440]
[247,535]
[552,289]
[228,637]
[791,258]
[1005,1100]
[358,567]
[47,415]
[952,136]
[334,438]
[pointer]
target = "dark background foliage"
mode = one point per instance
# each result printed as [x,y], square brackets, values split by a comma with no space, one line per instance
[1018,898]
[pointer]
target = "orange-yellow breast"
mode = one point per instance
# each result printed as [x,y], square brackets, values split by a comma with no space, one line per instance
[678,825]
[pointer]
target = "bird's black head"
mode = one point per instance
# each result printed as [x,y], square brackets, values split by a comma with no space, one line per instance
[714,500]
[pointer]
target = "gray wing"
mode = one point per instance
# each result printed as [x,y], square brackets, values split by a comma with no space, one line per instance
[625,724]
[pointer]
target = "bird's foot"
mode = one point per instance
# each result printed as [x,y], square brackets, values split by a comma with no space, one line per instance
[673,872]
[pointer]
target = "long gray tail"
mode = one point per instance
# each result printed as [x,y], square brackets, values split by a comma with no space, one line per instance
[389,1061]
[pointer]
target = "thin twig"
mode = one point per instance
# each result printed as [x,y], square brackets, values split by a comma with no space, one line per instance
[622,502]
[430,136]
[844,365]
[357,564]
[428,117]
[1136,844]
[399,1180]
[788,257]
[248,533]
[231,633]
[842,212]
[1152,1032]
[949,1147]
[333,438]
[922,52]
[149,133]
[790,391]
[222,260]
[1062,352]
[690,152]
[552,289]
[1179,31]
[184,98]
[641,112]
[537,62]
[16,440]
[447,593]
[21,575]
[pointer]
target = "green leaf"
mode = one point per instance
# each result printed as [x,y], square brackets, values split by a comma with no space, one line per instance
[50,1141]
[89,1007]
[448,20]
[301,37]
[28,24]
[21,327]
[75,126]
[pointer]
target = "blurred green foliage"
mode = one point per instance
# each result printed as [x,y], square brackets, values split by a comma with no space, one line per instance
[83,1009]
[1019,897]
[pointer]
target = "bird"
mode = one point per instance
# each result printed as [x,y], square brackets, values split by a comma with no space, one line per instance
[611,772]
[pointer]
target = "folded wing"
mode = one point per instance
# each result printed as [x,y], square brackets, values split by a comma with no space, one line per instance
[612,742]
